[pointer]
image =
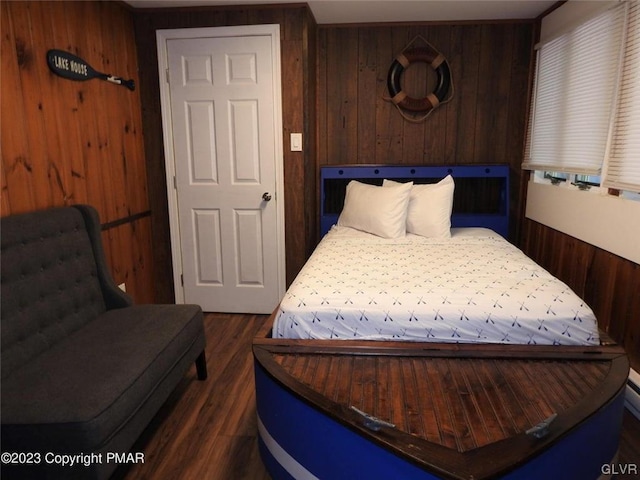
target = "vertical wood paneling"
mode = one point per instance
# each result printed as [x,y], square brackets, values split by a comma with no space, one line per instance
[66,142]
[431,135]
[466,106]
[311,181]
[15,159]
[388,122]
[342,97]
[494,89]
[490,65]
[321,97]
[489,81]
[366,91]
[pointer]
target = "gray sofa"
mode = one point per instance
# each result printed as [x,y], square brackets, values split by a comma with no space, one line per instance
[83,369]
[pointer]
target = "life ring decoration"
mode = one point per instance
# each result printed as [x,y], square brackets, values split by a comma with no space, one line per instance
[442,92]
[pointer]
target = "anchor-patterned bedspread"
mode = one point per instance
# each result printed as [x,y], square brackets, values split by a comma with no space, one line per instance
[474,287]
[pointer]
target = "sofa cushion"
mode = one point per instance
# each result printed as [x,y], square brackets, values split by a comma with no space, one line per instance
[77,394]
[50,286]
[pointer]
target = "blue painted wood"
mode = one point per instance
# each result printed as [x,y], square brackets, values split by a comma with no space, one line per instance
[498,222]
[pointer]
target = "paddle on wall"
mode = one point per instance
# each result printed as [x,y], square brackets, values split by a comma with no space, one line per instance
[72,67]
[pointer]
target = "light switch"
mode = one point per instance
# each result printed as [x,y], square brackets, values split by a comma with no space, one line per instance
[296,142]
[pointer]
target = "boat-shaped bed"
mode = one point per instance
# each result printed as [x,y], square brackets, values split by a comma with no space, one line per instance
[512,380]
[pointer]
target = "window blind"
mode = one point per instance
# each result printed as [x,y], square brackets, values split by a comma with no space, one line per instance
[575,82]
[622,168]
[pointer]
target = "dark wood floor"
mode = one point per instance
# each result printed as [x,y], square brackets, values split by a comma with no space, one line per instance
[207,430]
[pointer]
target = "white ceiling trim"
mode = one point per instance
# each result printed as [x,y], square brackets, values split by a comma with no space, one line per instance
[382,11]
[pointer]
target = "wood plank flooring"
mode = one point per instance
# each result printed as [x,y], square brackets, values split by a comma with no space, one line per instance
[207,430]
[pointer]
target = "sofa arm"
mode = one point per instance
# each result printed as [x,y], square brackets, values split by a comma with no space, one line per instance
[113,296]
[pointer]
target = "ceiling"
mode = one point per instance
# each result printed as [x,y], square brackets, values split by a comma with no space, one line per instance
[376,11]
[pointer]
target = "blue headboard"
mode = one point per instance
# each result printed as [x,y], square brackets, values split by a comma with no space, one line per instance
[481,197]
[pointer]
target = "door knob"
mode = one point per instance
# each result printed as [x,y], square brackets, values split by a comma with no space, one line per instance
[266,196]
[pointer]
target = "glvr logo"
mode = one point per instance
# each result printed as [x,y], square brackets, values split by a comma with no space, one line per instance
[619,469]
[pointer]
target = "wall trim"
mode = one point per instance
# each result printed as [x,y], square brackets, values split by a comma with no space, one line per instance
[123,221]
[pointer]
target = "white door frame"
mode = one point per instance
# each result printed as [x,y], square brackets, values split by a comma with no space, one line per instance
[165,101]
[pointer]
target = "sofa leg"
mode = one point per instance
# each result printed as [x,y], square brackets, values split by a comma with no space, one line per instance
[201,366]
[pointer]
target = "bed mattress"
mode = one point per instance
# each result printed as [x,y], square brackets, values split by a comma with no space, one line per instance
[474,287]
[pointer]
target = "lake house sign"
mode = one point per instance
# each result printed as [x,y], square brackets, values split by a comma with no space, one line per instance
[72,67]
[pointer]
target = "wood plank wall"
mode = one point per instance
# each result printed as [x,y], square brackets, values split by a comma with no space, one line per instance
[66,142]
[483,123]
[297,30]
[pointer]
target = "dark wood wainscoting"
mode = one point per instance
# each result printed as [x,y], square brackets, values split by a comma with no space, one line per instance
[608,283]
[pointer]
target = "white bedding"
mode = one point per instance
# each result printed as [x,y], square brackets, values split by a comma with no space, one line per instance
[474,287]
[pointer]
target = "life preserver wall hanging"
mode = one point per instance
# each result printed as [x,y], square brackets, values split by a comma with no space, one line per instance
[442,93]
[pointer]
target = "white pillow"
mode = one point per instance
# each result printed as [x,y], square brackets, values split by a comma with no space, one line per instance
[377,210]
[430,206]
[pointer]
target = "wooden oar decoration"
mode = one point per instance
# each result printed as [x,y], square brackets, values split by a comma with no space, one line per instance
[72,67]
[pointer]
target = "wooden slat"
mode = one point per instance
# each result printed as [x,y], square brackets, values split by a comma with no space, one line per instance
[520,391]
[367,90]
[460,423]
[487,406]
[432,140]
[397,400]
[343,384]
[538,391]
[310,372]
[383,404]
[17,181]
[387,126]
[426,399]
[413,408]
[494,91]
[473,408]
[369,386]
[322,378]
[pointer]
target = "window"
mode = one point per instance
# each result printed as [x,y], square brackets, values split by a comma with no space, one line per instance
[585,121]
[582,182]
[573,98]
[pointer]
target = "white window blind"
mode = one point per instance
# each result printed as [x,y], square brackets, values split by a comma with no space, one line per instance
[573,99]
[622,169]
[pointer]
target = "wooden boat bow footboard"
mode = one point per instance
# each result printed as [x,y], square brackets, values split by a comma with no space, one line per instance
[349,409]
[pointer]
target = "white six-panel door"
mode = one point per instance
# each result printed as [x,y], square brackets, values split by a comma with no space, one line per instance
[223,119]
